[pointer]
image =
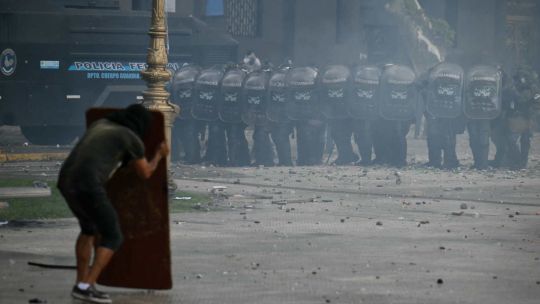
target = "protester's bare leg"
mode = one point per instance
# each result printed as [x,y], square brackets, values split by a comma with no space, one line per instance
[83,253]
[101,259]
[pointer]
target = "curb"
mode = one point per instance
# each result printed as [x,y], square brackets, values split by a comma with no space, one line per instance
[13,157]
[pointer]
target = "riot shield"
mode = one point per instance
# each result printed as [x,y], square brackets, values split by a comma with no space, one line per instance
[335,91]
[445,91]
[182,89]
[482,93]
[364,101]
[206,96]
[230,106]
[398,94]
[302,99]
[254,98]
[276,110]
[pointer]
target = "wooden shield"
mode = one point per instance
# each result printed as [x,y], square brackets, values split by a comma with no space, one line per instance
[144,259]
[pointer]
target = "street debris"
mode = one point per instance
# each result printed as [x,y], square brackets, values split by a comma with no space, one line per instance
[37,301]
[4,205]
[458,213]
[379,223]
[182,198]
[279,203]
[440,281]
[420,223]
[463,206]
[40,184]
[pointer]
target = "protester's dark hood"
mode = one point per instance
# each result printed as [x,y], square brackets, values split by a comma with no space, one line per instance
[135,117]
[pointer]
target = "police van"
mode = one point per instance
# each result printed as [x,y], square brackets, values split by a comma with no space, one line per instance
[60,57]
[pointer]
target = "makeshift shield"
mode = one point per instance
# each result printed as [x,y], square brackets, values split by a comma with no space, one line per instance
[144,259]
[364,101]
[335,89]
[483,93]
[445,91]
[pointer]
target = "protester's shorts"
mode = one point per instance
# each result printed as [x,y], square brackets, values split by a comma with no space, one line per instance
[95,214]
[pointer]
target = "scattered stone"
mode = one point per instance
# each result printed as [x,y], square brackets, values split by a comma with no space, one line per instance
[440,281]
[463,206]
[458,188]
[40,184]
[327,201]
[342,220]
[457,213]
[495,277]
[442,248]
[379,223]
[510,215]
[257,222]
[37,300]
[422,223]
[199,276]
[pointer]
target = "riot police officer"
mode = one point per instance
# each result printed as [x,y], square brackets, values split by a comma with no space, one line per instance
[512,130]
[186,130]
[442,89]
[399,107]
[276,111]
[481,105]
[335,93]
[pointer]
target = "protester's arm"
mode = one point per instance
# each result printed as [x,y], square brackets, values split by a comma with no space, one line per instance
[145,168]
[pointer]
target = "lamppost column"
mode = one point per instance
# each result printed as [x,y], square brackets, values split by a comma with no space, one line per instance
[156,75]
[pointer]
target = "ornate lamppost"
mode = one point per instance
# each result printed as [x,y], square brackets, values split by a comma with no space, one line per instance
[157,75]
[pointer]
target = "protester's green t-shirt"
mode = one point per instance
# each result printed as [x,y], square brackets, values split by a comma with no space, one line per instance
[104,148]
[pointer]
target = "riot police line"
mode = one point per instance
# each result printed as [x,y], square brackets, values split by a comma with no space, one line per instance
[374,105]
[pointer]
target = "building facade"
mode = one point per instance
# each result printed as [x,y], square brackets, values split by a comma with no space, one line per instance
[339,31]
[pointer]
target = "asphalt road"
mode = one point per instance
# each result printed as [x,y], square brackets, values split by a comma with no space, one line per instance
[321,235]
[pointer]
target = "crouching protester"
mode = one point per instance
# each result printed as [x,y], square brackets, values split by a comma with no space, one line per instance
[108,144]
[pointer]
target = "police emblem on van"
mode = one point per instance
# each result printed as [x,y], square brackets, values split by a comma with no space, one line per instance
[8,62]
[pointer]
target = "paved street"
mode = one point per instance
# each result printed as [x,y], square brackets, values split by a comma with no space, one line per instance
[321,235]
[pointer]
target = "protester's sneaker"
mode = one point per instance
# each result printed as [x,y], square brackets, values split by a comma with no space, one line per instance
[90,295]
